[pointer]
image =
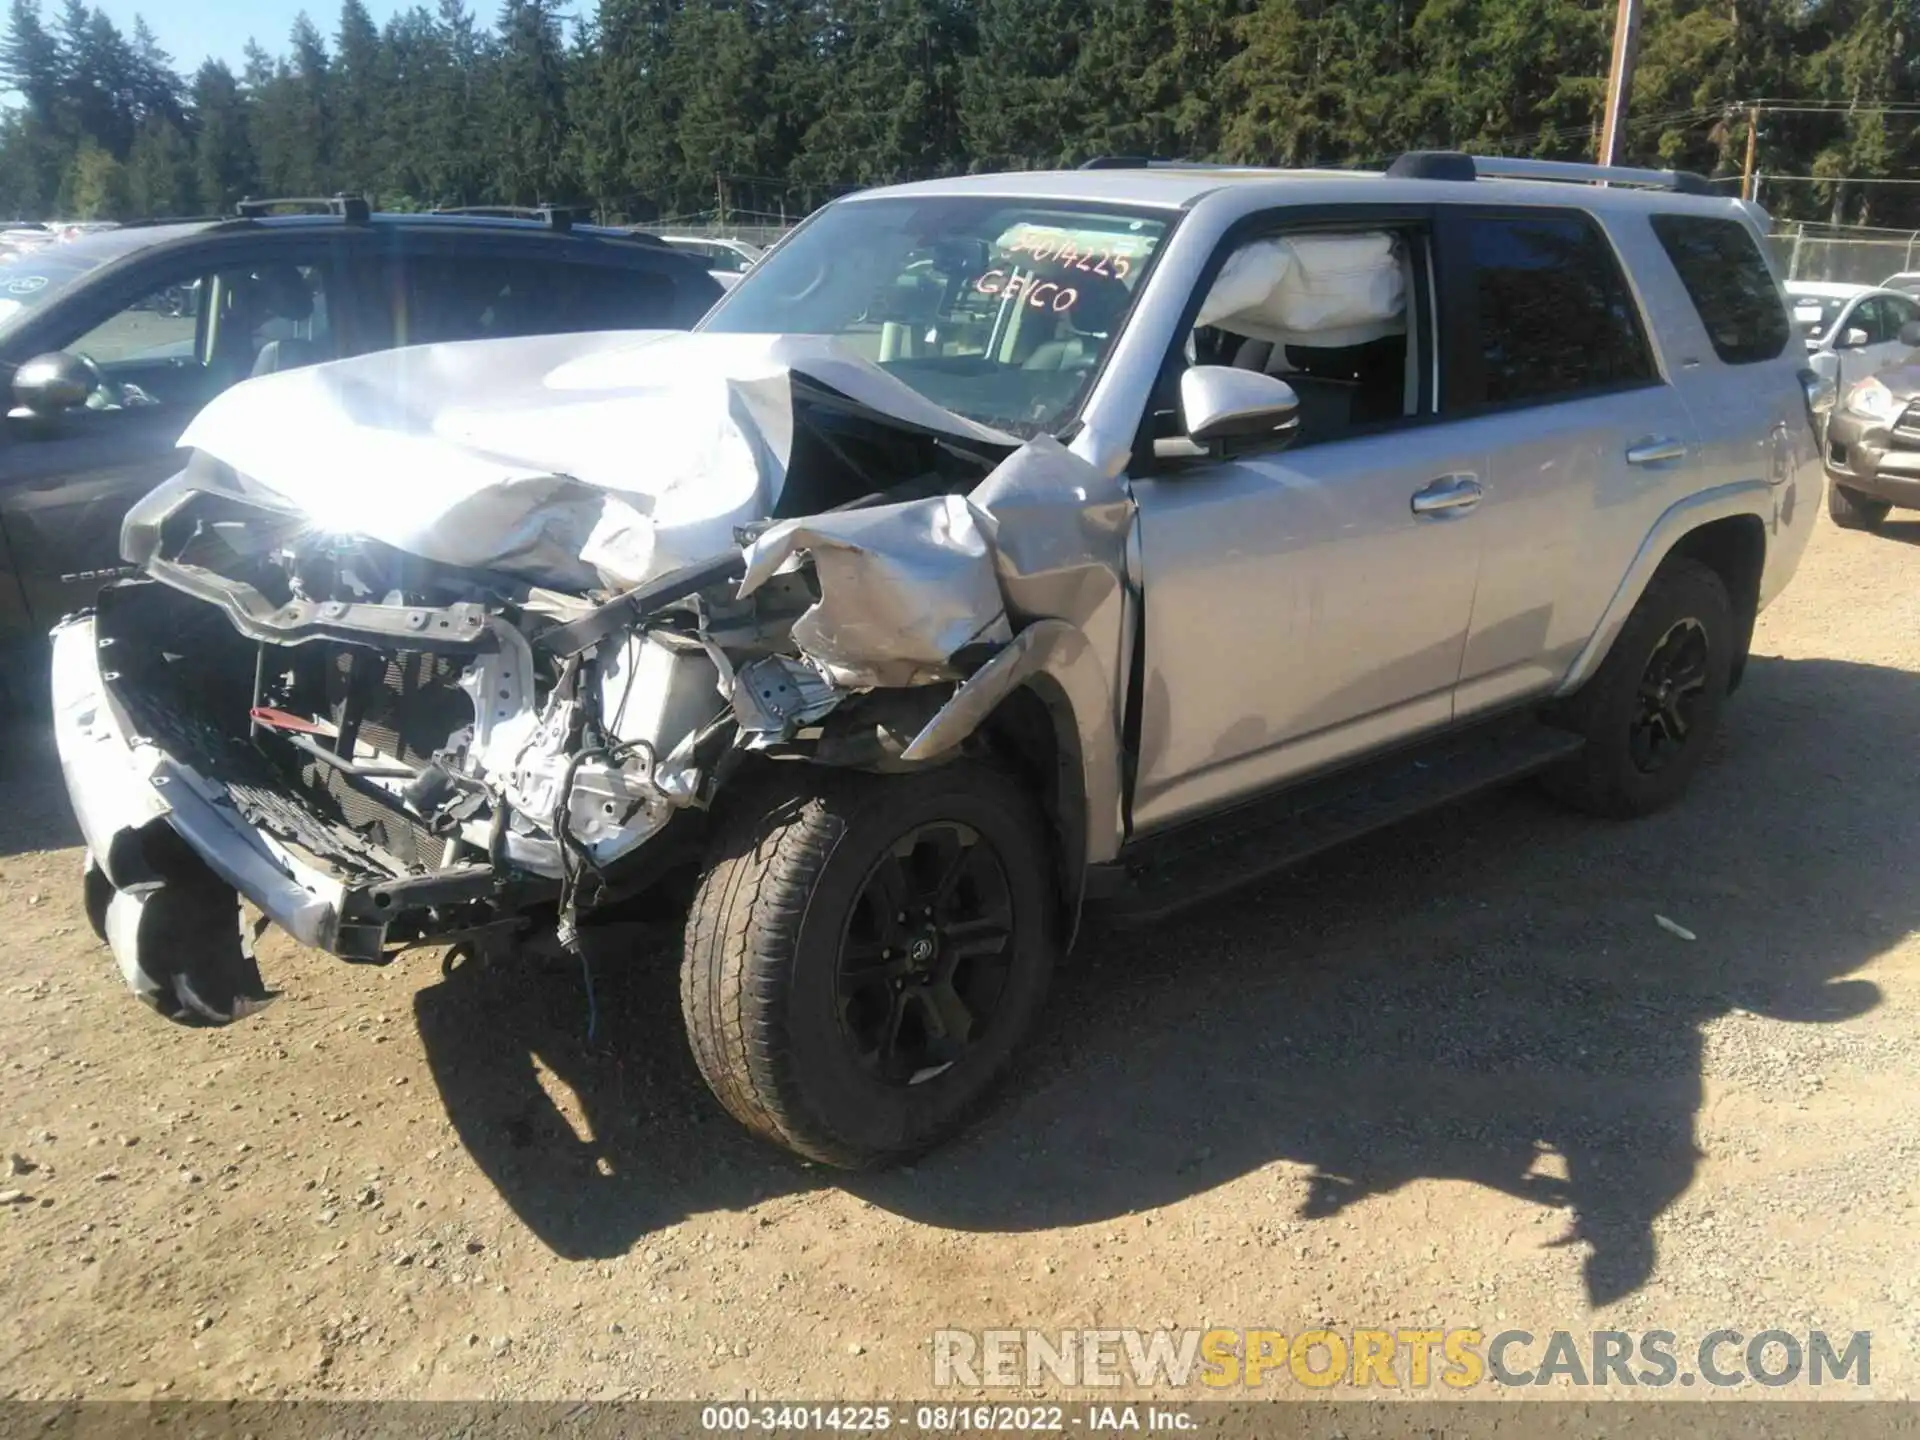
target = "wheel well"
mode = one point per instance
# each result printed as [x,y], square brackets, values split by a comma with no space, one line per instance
[1032,731]
[1735,549]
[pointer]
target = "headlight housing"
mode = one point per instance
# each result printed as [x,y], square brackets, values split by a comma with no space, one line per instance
[1872,400]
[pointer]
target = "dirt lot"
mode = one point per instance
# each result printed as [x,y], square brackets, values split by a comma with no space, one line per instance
[1456,1074]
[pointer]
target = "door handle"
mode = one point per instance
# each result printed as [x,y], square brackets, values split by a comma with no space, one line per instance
[1653,450]
[1449,492]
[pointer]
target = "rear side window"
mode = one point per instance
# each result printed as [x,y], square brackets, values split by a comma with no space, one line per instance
[606,298]
[1556,319]
[1730,285]
[450,297]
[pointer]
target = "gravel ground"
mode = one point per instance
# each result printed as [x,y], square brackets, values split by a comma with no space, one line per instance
[1456,1074]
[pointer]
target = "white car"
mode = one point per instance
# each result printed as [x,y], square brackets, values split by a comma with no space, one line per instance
[1852,331]
[726,260]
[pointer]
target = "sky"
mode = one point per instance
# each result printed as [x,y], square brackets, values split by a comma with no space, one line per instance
[192,30]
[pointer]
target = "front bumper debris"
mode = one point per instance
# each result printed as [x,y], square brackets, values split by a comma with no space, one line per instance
[170,853]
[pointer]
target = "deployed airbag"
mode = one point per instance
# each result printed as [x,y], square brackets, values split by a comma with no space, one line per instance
[1322,290]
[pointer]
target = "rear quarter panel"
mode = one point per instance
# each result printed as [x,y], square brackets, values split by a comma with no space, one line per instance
[1750,421]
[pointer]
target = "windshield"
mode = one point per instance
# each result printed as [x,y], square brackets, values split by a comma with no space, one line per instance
[1000,310]
[30,278]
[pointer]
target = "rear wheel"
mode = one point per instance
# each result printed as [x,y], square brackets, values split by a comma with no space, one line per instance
[1650,711]
[1853,511]
[866,953]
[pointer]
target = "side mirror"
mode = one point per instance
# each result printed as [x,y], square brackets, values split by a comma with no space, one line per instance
[1822,394]
[1853,339]
[48,384]
[1910,334]
[1826,365]
[1220,405]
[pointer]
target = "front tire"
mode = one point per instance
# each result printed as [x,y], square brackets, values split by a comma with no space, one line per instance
[1851,510]
[866,953]
[1650,711]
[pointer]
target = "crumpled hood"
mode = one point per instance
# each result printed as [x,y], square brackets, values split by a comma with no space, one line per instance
[570,460]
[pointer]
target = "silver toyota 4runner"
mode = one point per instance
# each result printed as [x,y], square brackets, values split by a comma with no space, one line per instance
[1001,550]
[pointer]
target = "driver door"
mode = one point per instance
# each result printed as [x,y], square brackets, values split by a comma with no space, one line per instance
[1310,604]
[67,479]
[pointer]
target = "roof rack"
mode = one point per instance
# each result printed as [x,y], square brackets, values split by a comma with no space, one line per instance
[1151,162]
[1453,165]
[149,221]
[353,209]
[554,217]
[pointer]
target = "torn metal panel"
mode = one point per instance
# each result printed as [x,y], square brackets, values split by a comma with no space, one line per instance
[573,461]
[903,589]
[1058,531]
[774,696]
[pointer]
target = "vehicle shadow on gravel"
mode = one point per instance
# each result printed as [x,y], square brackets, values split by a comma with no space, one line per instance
[639,1143]
[1457,998]
[1903,526]
[1464,995]
[36,815]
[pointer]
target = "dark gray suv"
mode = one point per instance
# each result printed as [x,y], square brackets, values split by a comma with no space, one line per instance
[110,343]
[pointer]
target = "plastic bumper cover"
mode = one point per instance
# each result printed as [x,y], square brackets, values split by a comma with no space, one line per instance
[121,783]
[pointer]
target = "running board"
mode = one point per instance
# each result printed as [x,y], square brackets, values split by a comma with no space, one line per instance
[1205,858]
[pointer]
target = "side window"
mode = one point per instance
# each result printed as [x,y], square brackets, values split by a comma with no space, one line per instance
[1869,318]
[1556,319]
[476,298]
[1727,278]
[1903,312]
[1337,314]
[605,297]
[197,333]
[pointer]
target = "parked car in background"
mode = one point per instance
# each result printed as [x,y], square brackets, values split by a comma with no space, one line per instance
[1872,443]
[726,260]
[1907,282]
[23,237]
[1851,330]
[109,343]
[1000,545]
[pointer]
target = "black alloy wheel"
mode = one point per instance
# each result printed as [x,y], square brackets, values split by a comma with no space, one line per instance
[1669,696]
[926,954]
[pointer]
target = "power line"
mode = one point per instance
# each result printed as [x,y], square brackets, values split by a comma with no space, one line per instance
[1831,108]
[1770,177]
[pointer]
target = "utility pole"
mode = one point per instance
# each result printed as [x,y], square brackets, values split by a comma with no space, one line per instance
[1626,40]
[1746,170]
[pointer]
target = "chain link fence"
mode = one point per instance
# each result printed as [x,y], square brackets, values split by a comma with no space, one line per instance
[1849,254]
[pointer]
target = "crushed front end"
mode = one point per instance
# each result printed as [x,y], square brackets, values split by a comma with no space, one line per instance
[480,715]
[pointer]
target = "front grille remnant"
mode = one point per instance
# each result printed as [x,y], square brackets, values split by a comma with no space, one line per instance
[1906,429]
[405,706]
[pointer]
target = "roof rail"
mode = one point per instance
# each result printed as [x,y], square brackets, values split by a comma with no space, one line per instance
[150,221]
[1452,165]
[554,217]
[1151,162]
[353,209]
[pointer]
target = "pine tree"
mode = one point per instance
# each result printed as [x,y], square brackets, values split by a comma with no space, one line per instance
[223,163]
[96,186]
[30,60]
[527,109]
[361,94]
[160,171]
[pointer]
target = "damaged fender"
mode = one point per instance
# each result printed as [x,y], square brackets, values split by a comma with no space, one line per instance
[1054,660]
[911,593]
